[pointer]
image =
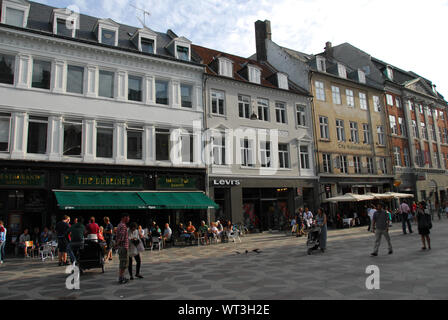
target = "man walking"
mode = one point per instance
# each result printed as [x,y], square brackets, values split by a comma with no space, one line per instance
[405,211]
[77,232]
[61,231]
[2,241]
[381,228]
[122,243]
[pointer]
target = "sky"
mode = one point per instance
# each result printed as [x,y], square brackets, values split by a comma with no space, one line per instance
[409,34]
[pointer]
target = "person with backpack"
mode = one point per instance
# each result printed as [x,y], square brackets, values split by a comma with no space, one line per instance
[424,222]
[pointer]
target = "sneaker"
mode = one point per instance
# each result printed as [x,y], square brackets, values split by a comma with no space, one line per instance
[374,254]
[139,276]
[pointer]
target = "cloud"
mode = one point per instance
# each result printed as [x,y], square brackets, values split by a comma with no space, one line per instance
[408,34]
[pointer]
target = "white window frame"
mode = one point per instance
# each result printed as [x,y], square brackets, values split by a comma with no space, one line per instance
[266,154]
[324,128]
[219,150]
[281,112]
[377,103]
[370,168]
[326,163]
[354,132]
[283,155]
[357,164]
[244,101]
[390,99]
[340,130]
[264,105]
[254,74]
[363,101]
[215,95]
[105,125]
[110,26]
[305,156]
[247,153]
[342,71]
[402,126]
[350,98]
[393,124]
[380,134]
[366,133]
[320,90]
[68,16]
[397,156]
[301,115]
[9,118]
[17,5]
[336,94]
[282,80]
[184,45]
[321,64]
[225,67]
[343,164]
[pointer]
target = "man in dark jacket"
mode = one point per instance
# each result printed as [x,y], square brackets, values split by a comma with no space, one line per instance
[381,228]
[77,232]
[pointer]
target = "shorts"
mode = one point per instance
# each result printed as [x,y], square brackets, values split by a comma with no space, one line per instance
[62,245]
[423,231]
[123,257]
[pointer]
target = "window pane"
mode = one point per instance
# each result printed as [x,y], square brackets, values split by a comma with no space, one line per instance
[185,92]
[187,148]
[162,92]
[134,88]
[14,17]
[182,53]
[162,145]
[72,139]
[135,142]
[75,79]
[104,142]
[147,45]
[62,28]
[106,84]
[108,37]
[4,134]
[7,64]
[37,136]
[41,74]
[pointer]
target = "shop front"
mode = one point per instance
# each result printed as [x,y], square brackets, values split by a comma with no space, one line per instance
[432,187]
[261,204]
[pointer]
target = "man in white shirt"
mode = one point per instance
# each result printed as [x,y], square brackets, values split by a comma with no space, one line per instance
[308,217]
[371,213]
[167,233]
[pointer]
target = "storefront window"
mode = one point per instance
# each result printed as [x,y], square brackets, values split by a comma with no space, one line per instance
[104,140]
[37,135]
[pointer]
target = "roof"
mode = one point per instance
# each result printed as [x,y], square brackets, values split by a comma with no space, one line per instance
[209,56]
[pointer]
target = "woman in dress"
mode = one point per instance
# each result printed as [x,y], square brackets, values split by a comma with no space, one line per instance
[423,225]
[321,220]
[135,247]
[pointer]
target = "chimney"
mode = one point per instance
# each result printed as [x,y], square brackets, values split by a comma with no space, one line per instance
[328,50]
[262,32]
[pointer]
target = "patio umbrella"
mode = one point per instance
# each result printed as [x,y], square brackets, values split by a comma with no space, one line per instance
[400,195]
[350,197]
[381,196]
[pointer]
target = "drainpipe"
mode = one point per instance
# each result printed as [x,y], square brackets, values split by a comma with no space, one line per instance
[205,123]
[316,144]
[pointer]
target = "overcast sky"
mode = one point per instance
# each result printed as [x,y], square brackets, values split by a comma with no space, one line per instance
[410,34]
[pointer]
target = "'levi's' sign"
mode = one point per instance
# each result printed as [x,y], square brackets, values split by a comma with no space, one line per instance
[226,183]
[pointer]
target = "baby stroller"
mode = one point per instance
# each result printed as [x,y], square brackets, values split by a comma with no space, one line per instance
[313,241]
[90,256]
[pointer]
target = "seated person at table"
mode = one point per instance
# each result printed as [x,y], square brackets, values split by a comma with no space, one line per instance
[156,232]
[101,235]
[191,229]
[183,233]
[167,233]
[220,228]
[44,236]
[24,237]
[203,231]
[214,230]
[153,227]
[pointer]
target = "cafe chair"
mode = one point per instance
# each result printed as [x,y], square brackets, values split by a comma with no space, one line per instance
[156,243]
[234,235]
[46,251]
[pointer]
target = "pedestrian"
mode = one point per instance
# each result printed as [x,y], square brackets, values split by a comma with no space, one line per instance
[371,213]
[406,217]
[309,217]
[92,229]
[108,230]
[135,247]
[122,244]
[2,241]
[321,220]
[62,234]
[77,233]
[424,225]
[380,226]
[293,225]
[446,209]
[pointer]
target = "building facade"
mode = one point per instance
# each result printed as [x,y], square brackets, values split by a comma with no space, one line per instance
[260,142]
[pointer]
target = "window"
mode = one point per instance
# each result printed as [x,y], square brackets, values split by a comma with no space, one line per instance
[342,71]
[301,115]
[441,135]
[361,76]
[340,130]
[106,84]
[366,133]
[336,95]
[363,101]
[354,134]
[369,165]
[219,150]
[420,108]
[280,112]
[108,37]
[265,153]
[37,135]
[182,53]
[5,128]
[433,132]
[357,164]
[445,136]
[282,80]
[343,165]
[246,153]
[7,68]
[75,79]
[424,131]
[324,132]
[72,137]
[104,140]
[397,157]
[436,159]
[162,92]
[393,124]
[254,75]
[135,143]
[147,45]
[41,74]
[217,102]
[350,98]
[402,126]
[411,106]
[381,140]
[442,116]
[244,106]
[320,61]
[428,158]
[320,91]
[326,163]
[407,162]
[398,102]
[225,68]
[283,155]
[62,29]
[377,103]
[415,129]
[162,145]
[419,158]
[390,100]
[134,88]
[390,73]
[14,17]
[186,93]
[187,147]
[383,165]
[304,157]
[263,109]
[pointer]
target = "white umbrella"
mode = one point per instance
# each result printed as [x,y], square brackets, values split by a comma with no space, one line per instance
[400,195]
[381,196]
[350,197]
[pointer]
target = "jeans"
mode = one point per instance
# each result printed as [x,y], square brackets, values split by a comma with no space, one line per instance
[405,221]
[72,248]
[2,250]
[137,268]
[378,235]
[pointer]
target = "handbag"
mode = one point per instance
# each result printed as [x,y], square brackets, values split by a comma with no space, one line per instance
[428,221]
[410,216]
[135,242]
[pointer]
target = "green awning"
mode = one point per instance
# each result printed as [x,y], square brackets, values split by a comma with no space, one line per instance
[72,200]
[177,200]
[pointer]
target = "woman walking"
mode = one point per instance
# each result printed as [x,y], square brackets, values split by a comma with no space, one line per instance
[423,221]
[108,234]
[135,247]
[322,223]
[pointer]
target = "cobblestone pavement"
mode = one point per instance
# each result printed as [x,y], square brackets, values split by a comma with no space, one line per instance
[282,271]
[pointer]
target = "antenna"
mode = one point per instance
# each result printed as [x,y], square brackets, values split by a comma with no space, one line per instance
[145,13]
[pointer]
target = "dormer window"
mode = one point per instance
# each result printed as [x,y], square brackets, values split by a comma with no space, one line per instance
[342,71]
[225,67]
[390,73]
[254,74]
[108,37]
[147,45]
[65,22]
[321,64]
[107,32]
[361,76]
[145,40]
[282,81]
[179,47]
[15,12]
[183,53]
[62,29]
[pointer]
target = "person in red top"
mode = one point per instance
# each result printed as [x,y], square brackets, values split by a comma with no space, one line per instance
[122,243]
[92,229]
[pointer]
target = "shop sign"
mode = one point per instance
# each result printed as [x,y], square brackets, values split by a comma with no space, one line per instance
[22,179]
[225,183]
[102,181]
[187,183]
